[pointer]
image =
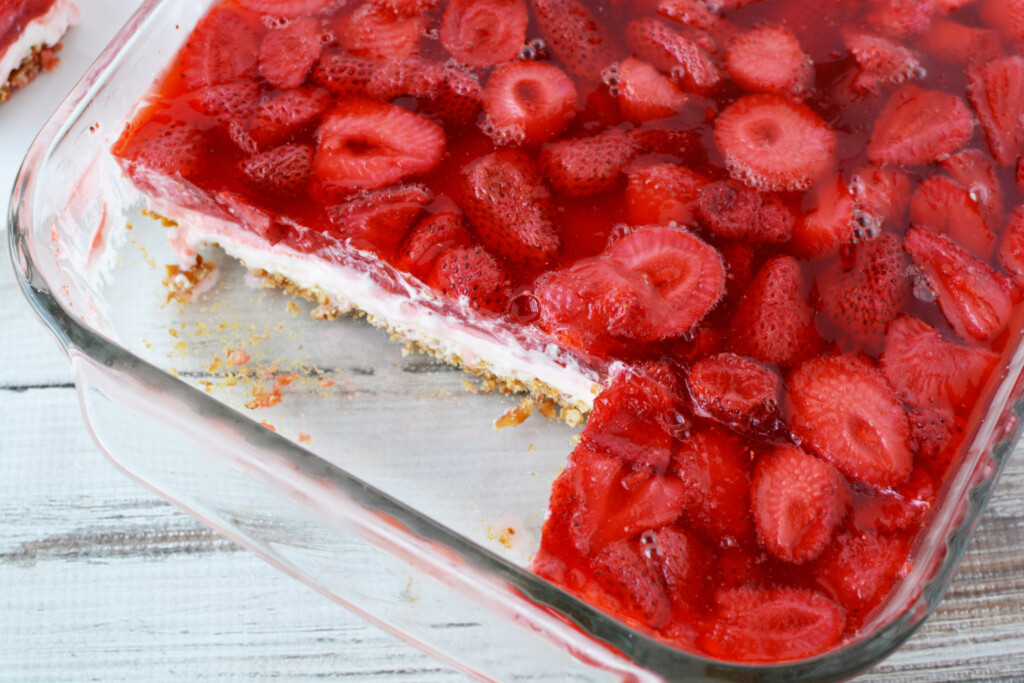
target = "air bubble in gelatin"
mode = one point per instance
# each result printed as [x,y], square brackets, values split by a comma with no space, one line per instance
[922,290]
[978,193]
[527,53]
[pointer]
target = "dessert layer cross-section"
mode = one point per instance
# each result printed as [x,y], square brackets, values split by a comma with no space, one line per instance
[775,249]
[30,37]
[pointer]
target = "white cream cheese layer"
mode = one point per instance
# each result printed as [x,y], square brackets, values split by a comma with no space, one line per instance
[46,29]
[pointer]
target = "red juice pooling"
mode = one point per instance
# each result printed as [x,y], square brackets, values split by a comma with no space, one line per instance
[799,223]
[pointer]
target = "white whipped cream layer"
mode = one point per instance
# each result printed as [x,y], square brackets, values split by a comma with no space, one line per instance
[481,343]
[46,29]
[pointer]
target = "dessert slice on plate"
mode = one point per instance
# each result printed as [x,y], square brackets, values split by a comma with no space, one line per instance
[31,32]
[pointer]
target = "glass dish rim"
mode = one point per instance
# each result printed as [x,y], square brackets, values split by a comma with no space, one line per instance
[73,335]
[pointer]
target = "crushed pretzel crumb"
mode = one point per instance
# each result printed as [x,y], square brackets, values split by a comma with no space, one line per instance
[238,357]
[516,415]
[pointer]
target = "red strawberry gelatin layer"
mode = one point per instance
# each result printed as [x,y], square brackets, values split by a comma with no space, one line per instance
[792,228]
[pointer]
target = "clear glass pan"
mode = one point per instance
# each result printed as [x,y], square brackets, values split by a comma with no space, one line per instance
[384,486]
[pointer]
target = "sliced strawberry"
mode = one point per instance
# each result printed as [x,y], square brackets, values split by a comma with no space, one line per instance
[376,31]
[287,54]
[772,624]
[683,144]
[860,568]
[741,263]
[1020,173]
[880,61]
[647,501]
[693,13]
[661,193]
[730,209]
[896,510]
[662,46]
[841,408]
[585,166]
[1011,248]
[774,322]
[996,91]
[472,275]
[736,391]
[929,372]
[342,74]
[282,170]
[575,36]
[528,103]
[645,94]
[790,71]
[831,223]
[773,144]
[976,173]
[622,571]
[866,289]
[797,501]
[363,144]
[918,127]
[509,207]
[714,466]
[379,219]
[900,18]
[166,146]
[285,8]
[880,195]
[682,560]
[228,101]
[685,276]
[593,307]
[975,299]
[455,98]
[635,419]
[943,206]
[484,33]
[1006,16]
[431,237]
[955,43]
[283,114]
[934,435]
[224,47]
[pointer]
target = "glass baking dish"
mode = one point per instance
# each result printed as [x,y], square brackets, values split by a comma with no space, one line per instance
[374,476]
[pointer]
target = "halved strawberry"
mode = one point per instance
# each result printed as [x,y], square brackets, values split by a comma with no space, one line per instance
[1011,248]
[661,193]
[431,237]
[976,173]
[282,114]
[943,206]
[528,103]
[645,94]
[685,276]
[955,43]
[900,18]
[797,501]
[737,392]
[472,274]
[585,166]
[880,195]
[996,91]
[865,289]
[575,36]
[623,572]
[287,54]
[714,466]
[772,624]
[484,33]
[377,31]
[228,101]
[285,8]
[165,145]
[364,145]
[509,207]
[773,144]
[682,560]
[841,408]
[773,321]
[860,568]
[342,74]
[223,47]
[379,219]
[669,50]
[636,418]
[930,372]
[282,170]
[975,299]
[693,13]
[789,71]
[880,61]
[592,306]
[730,209]
[918,127]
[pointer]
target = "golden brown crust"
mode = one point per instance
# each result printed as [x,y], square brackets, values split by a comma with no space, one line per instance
[42,58]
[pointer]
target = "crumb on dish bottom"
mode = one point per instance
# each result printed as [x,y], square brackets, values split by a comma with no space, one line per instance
[42,58]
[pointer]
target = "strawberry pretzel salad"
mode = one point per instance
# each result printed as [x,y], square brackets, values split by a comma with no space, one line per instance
[31,32]
[774,249]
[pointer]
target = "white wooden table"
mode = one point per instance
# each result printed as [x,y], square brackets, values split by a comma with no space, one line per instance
[100,580]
